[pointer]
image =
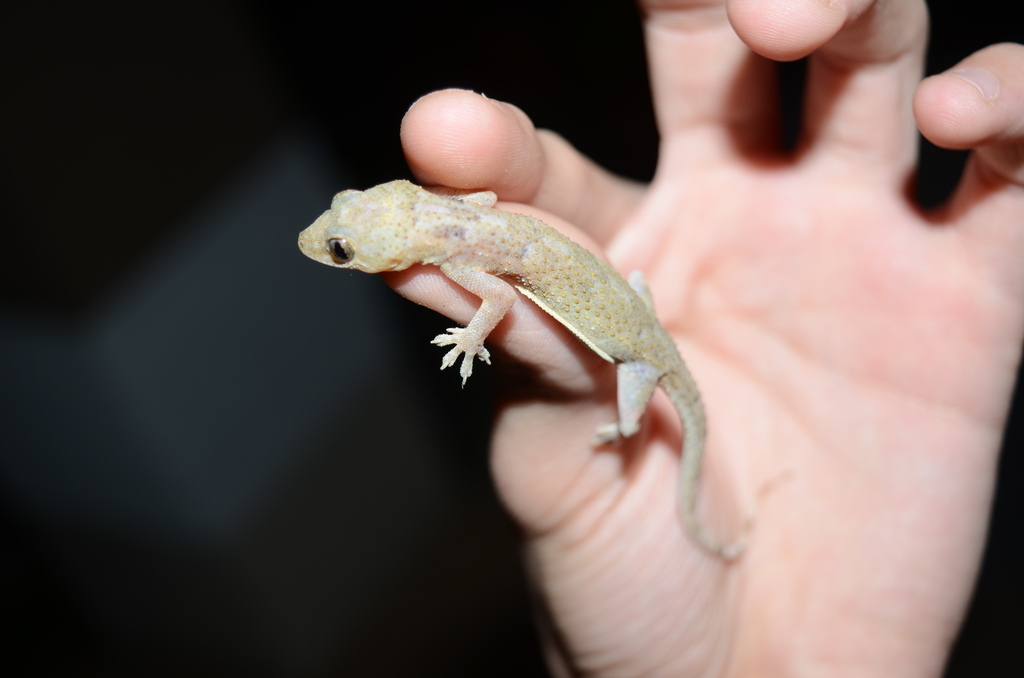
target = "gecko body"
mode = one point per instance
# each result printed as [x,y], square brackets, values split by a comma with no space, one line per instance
[491,253]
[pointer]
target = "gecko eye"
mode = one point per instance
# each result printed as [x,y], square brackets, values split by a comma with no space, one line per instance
[341,250]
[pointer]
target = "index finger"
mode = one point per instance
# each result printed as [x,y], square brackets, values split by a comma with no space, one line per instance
[465,140]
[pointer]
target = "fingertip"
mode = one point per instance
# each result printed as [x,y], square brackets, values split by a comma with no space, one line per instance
[945,106]
[851,31]
[785,30]
[982,80]
[463,139]
[977,102]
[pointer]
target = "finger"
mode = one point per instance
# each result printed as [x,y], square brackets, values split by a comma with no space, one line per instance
[867,57]
[979,104]
[711,93]
[462,139]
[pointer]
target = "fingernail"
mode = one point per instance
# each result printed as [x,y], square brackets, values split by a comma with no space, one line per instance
[980,78]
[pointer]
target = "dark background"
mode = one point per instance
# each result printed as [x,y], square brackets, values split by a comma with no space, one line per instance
[125,126]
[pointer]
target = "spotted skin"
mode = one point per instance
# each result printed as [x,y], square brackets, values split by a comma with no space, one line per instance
[492,253]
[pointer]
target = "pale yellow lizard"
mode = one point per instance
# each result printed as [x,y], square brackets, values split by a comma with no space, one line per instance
[491,253]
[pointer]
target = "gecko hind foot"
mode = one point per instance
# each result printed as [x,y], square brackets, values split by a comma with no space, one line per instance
[462,347]
[606,434]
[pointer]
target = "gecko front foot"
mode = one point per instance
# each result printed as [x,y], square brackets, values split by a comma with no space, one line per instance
[464,346]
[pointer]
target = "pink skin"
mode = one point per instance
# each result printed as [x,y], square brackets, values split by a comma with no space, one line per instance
[859,349]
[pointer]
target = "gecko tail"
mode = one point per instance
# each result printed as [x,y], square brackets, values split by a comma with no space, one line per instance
[686,399]
[727,551]
[730,551]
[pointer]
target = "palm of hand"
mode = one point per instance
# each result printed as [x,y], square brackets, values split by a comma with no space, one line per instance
[846,345]
[841,340]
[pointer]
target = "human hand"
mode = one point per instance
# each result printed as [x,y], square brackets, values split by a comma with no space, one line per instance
[840,336]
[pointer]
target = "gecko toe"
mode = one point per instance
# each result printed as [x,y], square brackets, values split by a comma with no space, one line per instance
[450,357]
[466,371]
[443,340]
[605,434]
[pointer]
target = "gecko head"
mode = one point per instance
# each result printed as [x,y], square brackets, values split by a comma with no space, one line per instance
[358,232]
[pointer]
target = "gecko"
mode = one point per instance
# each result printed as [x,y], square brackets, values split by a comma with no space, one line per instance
[492,253]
